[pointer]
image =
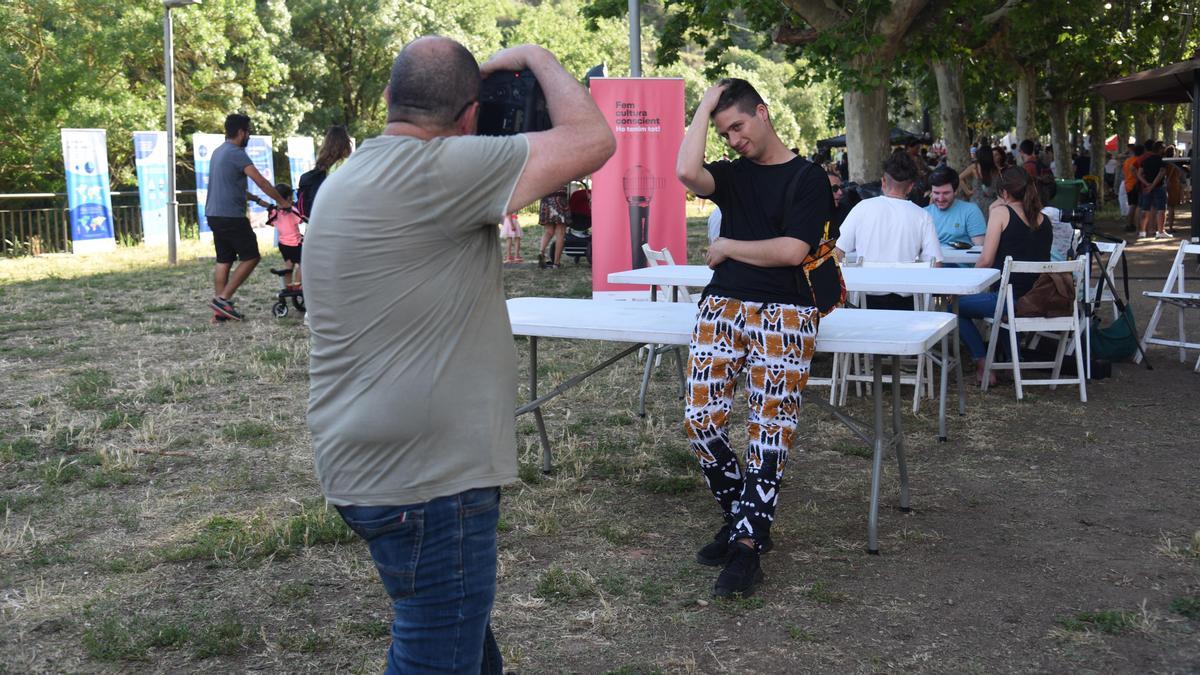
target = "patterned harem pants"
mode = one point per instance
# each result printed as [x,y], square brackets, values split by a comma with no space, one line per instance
[775,343]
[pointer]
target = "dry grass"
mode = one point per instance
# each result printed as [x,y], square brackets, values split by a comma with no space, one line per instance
[161,511]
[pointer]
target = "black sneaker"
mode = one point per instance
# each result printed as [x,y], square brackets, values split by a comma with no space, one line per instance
[226,308]
[717,552]
[741,574]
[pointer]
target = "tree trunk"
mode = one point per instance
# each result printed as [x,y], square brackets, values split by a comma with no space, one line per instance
[1153,118]
[1169,115]
[1026,92]
[1096,138]
[1060,138]
[867,133]
[1140,129]
[954,115]
[1122,130]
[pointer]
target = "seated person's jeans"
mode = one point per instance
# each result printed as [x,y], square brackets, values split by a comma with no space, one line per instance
[978,306]
[437,561]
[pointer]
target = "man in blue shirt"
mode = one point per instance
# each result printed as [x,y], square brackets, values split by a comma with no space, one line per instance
[955,220]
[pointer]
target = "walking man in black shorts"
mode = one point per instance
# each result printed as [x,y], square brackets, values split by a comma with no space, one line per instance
[225,208]
[754,317]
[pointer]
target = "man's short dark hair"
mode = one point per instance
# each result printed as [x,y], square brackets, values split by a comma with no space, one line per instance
[740,93]
[900,167]
[1138,149]
[943,175]
[432,83]
[1027,147]
[235,122]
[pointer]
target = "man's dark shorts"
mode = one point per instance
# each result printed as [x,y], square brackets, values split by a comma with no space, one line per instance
[234,239]
[290,253]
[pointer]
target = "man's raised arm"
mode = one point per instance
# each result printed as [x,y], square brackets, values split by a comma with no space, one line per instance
[579,141]
[689,165]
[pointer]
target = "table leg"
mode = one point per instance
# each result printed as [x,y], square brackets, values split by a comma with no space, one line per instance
[651,354]
[942,391]
[898,432]
[537,412]
[877,462]
[958,369]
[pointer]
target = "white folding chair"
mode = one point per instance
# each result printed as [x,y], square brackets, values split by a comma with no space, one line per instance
[653,353]
[1174,293]
[1068,328]
[855,368]
[1114,252]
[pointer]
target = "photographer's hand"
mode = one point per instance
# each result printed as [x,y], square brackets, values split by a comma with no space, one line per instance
[516,58]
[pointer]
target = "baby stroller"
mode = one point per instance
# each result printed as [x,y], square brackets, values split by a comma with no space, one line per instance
[280,309]
[578,242]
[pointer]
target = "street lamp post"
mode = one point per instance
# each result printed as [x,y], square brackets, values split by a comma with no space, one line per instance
[169,79]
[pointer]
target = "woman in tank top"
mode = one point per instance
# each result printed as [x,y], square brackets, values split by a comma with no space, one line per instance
[1016,227]
[981,178]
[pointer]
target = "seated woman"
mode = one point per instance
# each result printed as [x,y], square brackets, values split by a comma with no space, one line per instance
[1016,227]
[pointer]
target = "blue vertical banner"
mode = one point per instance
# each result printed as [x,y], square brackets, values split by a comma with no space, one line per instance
[85,158]
[202,150]
[150,160]
[259,149]
[301,158]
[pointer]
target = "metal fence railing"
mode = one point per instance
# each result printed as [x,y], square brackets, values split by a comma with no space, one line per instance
[36,223]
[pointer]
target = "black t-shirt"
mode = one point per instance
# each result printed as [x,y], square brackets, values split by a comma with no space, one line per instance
[751,197]
[1151,166]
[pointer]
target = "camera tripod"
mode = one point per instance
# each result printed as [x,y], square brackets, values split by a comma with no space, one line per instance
[1088,248]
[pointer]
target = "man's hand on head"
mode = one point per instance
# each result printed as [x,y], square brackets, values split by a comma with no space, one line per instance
[717,253]
[708,102]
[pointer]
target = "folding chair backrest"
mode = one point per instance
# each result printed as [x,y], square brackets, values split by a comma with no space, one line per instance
[1011,267]
[663,257]
[1177,276]
[1114,251]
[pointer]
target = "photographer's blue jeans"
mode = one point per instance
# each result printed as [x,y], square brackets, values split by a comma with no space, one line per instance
[437,561]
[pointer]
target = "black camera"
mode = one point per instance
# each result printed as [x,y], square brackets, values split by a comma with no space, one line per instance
[511,103]
[1081,217]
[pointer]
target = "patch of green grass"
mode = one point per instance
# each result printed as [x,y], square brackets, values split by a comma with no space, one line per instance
[614,584]
[219,638]
[61,472]
[48,553]
[88,389]
[374,630]
[503,525]
[616,535]
[102,478]
[116,419]
[272,356]
[22,448]
[293,592]
[679,459]
[854,449]
[167,307]
[17,501]
[231,540]
[253,434]
[529,473]
[176,389]
[66,441]
[635,669]
[740,604]
[669,485]
[120,315]
[821,593]
[559,585]
[1187,606]
[123,638]
[1110,621]
[307,643]
[653,592]
[800,635]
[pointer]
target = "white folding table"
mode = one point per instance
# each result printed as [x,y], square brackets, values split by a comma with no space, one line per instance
[949,281]
[867,331]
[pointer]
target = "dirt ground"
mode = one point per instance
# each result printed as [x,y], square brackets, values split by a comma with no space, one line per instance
[161,513]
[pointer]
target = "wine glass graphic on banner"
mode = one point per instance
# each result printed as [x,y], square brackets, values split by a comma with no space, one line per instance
[639,186]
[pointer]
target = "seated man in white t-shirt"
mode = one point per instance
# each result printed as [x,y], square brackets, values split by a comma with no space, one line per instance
[889,228]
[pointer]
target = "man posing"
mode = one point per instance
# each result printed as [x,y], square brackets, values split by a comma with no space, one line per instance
[413,368]
[956,221]
[754,315]
[225,209]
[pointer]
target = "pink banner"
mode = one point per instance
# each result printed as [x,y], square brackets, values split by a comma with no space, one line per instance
[636,198]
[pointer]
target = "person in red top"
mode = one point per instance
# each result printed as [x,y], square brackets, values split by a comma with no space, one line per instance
[287,224]
[1133,187]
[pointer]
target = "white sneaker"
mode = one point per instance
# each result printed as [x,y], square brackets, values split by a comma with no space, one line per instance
[1163,235]
[1142,235]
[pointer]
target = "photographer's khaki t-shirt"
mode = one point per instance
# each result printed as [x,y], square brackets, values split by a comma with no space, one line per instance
[413,368]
